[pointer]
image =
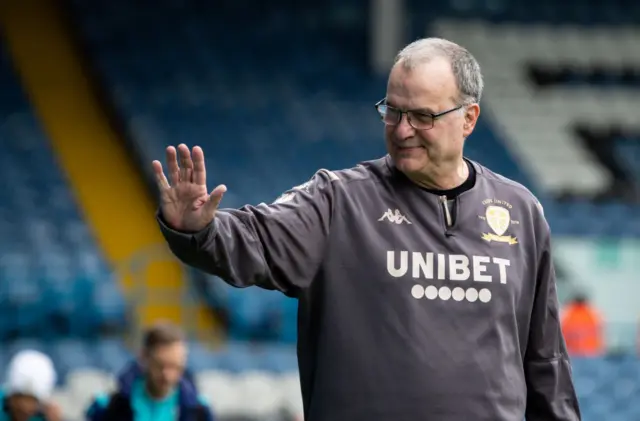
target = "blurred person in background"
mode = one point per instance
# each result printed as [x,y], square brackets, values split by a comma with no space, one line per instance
[156,387]
[26,395]
[582,328]
[425,281]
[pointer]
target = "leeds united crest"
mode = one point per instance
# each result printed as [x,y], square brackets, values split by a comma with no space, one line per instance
[498,218]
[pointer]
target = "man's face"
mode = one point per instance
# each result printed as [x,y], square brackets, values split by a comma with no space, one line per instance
[164,367]
[23,407]
[431,88]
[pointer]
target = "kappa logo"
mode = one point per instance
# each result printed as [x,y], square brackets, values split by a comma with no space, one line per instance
[286,197]
[498,217]
[394,217]
[290,195]
[305,187]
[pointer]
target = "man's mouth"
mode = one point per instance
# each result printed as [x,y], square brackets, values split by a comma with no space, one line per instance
[405,147]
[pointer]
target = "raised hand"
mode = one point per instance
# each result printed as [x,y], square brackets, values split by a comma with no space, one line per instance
[185,203]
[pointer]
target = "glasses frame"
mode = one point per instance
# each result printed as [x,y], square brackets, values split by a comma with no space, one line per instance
[433,116]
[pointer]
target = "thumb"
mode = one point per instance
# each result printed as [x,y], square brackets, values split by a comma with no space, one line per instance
[214,199]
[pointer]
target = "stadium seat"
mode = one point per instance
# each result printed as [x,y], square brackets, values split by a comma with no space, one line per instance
[280,358]
[200,358]
[69,354]
[266,397]
[292,396]
[72,409]
[221,391]
[110,355]
[44,287]
[84,384]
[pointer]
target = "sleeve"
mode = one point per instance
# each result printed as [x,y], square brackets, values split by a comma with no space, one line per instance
[97,408]
[278,246]
[551,394]
[117,407]
[206,413]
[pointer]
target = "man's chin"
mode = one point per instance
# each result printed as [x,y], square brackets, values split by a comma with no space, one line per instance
[408,162]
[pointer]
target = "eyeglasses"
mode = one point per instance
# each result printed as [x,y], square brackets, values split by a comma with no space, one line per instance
[419,120]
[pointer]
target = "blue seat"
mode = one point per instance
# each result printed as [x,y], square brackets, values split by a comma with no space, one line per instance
[110,306]
[280,359]
[70,354]
[251,314]
[111,354]
[39,288]
[18,345]
[201,358]
[237,357]
[288,330]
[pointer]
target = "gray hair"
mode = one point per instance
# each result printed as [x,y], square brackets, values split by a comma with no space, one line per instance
[465,67]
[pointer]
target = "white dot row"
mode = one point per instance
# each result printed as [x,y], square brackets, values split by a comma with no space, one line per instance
[445,293]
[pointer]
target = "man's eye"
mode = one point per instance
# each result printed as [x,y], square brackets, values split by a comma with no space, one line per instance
[423,118]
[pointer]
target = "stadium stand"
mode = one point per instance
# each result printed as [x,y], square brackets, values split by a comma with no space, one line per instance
[253,104]
[536,113]
[58,293]
[51,268]
[97,162]
[295,89]
[204,90]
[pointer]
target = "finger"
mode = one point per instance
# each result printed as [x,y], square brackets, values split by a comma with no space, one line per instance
[199,170]
[172,165]
[214,199]
[161,179]
[186,164]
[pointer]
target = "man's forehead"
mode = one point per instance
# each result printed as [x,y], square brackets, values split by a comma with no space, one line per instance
[173,351]
[427,85]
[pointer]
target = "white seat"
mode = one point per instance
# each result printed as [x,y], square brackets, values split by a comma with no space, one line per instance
[84,384]
[289,384]
[220,389]
[264,397]
[71,409]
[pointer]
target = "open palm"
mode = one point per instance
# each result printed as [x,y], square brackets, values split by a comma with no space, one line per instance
[185,203]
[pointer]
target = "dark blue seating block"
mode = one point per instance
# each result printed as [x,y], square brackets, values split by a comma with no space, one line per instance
[50,265]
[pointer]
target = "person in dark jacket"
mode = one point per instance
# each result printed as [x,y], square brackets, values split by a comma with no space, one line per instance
[425,281]
[157,387]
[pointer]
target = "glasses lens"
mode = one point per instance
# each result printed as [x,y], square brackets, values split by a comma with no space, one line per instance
[421,121]
[389,115]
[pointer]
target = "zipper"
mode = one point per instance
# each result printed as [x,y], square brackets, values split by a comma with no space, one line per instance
[447,213]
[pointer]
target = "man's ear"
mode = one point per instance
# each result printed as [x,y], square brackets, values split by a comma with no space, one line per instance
[471,114]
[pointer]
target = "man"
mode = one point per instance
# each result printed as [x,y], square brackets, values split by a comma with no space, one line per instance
[26,395]
[155,388]
[425,284]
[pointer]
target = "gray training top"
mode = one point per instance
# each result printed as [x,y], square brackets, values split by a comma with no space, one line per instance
[409,310]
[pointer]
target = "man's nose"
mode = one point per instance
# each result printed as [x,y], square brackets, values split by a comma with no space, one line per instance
[404,128]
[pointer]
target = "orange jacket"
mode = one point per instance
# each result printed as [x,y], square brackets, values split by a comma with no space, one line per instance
[582,330]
